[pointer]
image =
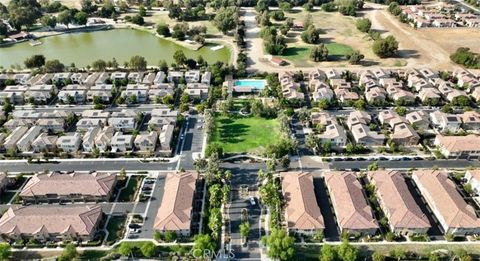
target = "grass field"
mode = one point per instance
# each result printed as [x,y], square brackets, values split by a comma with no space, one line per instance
[301,54]
[115,225]
[249,134]
[128,193]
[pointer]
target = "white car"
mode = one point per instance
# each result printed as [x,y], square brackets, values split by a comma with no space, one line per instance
[252,201]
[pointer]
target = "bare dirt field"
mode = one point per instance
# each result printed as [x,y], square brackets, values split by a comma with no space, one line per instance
[337,29]
[429,47]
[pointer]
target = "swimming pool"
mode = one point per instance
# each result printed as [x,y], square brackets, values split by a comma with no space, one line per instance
[256,84]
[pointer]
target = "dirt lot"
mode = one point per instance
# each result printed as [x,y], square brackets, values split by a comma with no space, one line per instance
[423,47]
[340,29]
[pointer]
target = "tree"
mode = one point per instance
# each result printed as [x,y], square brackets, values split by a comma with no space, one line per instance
[285,6]
[312,142]
[53,66]
[148,249]
[5,251]
[35,61]
[376,256]
[327,253]
[99,65]
[49,20]
[88,7]
[385,48]
[347,252]
[215,222]
[434,256]
[244,229]
[65,17]
[170,236]
[81,18]
[125,249]
[398,253]
[355,57]
[360,105]
[138,19]
[363,25]
[137,63]
[319,53]
[23,13]
[163,29]
[311,35]
[69,252]
[179,57]
[347,10]
[203,242]
[280,245]
[373,166]
[226,19]
[141,10]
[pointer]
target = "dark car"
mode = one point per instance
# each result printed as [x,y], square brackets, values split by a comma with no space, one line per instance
[134,226]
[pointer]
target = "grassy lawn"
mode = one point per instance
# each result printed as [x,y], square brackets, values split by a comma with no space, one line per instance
[245,134]
[115,227]
[128,193]
[92,254]
[301,54]
[6,197]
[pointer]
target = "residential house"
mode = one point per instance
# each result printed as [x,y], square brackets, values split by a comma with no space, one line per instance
[102,91]
[197,90]
[458,147]
[51,223]
[149,78]
[76,96]
[122,142]
[118,76]
[12,124]
[12,139]
[375,95]
[88,140]
[70,142]
[419,120]
[429,96]
[24,143]
[127,124]
[176,210]
[403,134]
[206,77]
[52,125]
[103,140]
[86,123]
[471,120]
[135,77]
[21,78]
[140,92]
[174,76]
[445,122]
[101,78]
[56,187]
[79,78]
[455,215]
[352,211]
[400,208]
[146,142]
[322,117]
[61,77]
[302,213]
[160,77]
[364,136]
[166,137]
[356,117]
[472,177]
[192,76]
[335,135]
[44,142]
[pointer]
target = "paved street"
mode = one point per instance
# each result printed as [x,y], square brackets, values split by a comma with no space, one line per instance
[193,141]
[151,210]
[244,174]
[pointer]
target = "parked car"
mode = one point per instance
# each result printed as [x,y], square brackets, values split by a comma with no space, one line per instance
[134,226]
[252,201]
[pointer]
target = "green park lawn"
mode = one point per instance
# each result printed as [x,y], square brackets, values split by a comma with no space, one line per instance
[245,134]
[300,54]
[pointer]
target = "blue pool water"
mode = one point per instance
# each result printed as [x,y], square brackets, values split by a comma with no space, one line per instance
[257,84]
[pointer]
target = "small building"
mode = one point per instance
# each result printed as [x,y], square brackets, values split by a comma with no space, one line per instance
[176,210]
[446,122]
[404,215]
[56,187]
[459,147]
[122,142]
[70,142]
[51,223]
[44,142]
[455,215]
[352,212]
[24,143]
[146,142]
[302,213]
[335,135]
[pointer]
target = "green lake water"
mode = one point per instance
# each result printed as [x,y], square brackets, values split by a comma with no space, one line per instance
[121,44]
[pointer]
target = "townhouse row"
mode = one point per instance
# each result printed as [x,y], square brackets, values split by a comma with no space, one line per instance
[34,131]
[83,88]
[354,215]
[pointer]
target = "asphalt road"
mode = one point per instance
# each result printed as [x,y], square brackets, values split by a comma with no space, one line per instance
[87,165]
[405,164]
[151,211]
[244,174]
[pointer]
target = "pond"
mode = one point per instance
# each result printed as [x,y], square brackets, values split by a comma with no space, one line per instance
[121,44]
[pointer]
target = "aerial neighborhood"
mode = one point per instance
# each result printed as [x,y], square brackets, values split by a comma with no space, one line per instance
[240,130]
